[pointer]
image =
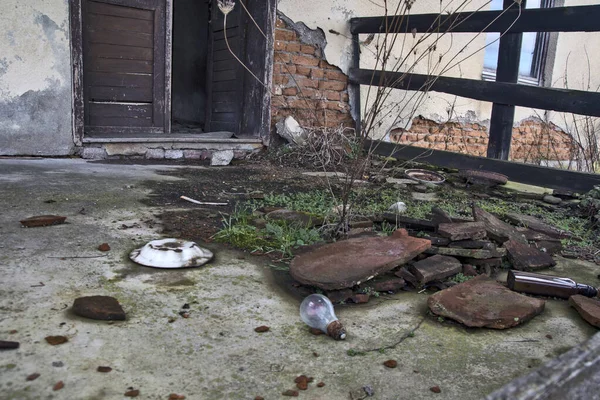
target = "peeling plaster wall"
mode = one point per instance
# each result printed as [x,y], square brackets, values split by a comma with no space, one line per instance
[35,78]
[333,15]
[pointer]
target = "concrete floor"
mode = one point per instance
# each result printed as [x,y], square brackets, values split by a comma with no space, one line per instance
[215,354]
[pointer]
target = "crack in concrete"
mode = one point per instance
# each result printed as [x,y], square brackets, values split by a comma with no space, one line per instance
[406,335]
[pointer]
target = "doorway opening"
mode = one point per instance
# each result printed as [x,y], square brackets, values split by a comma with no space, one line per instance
[189,65]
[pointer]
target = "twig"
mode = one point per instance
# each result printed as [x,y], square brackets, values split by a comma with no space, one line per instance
[64,257]
[40,285]
[203,203]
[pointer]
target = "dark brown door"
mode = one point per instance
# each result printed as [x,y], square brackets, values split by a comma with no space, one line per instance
[124,66]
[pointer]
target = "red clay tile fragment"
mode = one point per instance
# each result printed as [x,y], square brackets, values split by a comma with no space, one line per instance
[175,396]
[391,363]
[104,247]
[59,385]
[132,393]
[56,340]
[42,220]
[435,389]
[33,377]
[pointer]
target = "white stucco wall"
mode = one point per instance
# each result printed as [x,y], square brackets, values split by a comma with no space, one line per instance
[334,15]
[35,78]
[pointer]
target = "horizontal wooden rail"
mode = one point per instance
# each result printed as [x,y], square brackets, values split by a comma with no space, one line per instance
[559,19]
[525,173]
[563,100]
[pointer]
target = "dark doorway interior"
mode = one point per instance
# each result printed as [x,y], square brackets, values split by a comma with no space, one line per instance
[190,51]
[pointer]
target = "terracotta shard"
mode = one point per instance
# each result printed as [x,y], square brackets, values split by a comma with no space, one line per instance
[462,231]
[484,303]
[104,308]
[589,309]
[527,258]
[435,268]
[43,220]
[349,262]
[496,229]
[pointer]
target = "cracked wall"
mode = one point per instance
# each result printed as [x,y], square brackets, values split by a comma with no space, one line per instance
[35,78]
[331,17]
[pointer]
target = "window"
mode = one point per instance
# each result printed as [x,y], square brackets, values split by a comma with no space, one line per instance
[533,49]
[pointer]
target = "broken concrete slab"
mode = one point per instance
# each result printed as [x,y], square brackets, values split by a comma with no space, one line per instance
[484,303]
[479,254]
[42,220]
[104,308]
[435,268]
[588,308]
[462,231]
[221,158]
[538,225]
[350,262]
[496,229]
[527,258]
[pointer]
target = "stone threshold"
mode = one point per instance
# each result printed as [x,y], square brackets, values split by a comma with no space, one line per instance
[175,146]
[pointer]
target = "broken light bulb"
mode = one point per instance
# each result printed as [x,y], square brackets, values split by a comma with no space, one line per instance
[317,312]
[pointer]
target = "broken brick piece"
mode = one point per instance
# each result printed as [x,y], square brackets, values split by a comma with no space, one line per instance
[261,329]
[435,268]
[301,382]
[435,389]
[104,369]
[526,258]
[33,377]
[59,385]
[42,220]
[462,231]
[56,340]
[132,393]
[175,396]
[104,308]
[104,247]
[588,308]
[391,363]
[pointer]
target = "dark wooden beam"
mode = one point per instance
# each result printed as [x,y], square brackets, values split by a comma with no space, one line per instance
[560,19]
[525,173]
[563,100]
[507,70]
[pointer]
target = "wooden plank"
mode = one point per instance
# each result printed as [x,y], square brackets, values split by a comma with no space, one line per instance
[95,22]
[77,64]
[117,121]
[559,19]
[120,38]
[220,55]
[119,80]
[223,65]
[95,7]
[234,43]
[225,107]
[220,97]
[105,93]
[121,52]
[525,173]
[122,110]
[120,66]
[229,75]
[503,115]
[571,101]
[226,86]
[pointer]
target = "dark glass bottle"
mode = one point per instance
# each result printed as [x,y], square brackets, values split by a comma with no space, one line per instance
[546,285]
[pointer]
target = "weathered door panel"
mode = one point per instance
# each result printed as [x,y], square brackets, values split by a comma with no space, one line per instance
[124,65]
[225,74]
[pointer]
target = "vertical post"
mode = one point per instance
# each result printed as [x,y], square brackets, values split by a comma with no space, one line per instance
[503,115]
[354,88]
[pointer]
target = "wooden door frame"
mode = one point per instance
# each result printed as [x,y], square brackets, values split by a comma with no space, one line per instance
[76,20]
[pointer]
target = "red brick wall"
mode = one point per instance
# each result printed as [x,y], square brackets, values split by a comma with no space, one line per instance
[307,87]
[532,139]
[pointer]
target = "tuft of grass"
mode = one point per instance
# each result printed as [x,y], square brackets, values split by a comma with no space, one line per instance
[460,278]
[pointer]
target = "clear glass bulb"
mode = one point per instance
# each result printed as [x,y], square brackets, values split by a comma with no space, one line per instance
[317,312]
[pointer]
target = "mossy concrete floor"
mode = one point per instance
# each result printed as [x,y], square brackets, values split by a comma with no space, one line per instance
[215,353]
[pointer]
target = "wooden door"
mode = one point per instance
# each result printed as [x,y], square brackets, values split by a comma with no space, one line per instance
[225,74]
[124,66]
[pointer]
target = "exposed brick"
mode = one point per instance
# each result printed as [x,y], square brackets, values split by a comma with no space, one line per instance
[335,75]
[285,35]
[332,95]
[291,91]
[307,49]
[317,73]
[332,85]
[306,82]
[293,47]
[344,97]
[283,57]
[279,23]
[305,60]
[301,70]
[280,79]
[279,45]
